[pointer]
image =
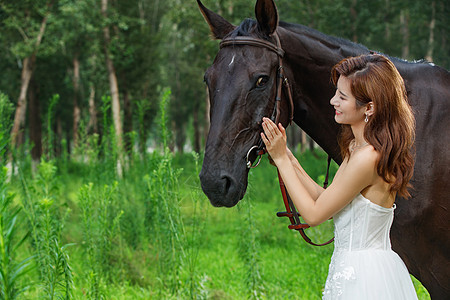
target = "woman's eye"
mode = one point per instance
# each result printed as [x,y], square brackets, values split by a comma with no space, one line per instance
[262,80]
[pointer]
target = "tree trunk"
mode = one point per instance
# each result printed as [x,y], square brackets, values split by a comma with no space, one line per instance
[387,30]
[429,55]
[128,121]
[19,117]
[35,123]
[180,140]
[304,141]
[354,16]
[76,92]
[113,85]
[59,137]
[404,21]
[93,124]
[311,145]
[27,72]
[196,132]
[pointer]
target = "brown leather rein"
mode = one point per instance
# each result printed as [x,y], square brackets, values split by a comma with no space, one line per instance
[291,211]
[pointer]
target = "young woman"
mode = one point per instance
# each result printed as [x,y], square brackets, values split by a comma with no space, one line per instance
[376,140]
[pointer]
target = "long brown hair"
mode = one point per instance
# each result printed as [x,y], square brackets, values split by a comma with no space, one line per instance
[391,127]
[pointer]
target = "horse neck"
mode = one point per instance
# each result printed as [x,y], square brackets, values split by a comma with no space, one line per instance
[309,57]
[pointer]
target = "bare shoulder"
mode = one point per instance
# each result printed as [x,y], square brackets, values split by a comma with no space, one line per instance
[362,163]
[365,158]
[359,170]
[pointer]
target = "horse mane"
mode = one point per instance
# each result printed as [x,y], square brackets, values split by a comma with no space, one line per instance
[317,35]
[330,40]
[249,27]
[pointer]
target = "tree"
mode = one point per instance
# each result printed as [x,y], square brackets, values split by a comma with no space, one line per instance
[113,84]
[30,22]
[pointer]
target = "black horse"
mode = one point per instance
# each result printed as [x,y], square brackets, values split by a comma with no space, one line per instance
[242,87]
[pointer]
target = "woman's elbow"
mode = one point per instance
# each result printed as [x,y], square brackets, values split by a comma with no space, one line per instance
[313,222]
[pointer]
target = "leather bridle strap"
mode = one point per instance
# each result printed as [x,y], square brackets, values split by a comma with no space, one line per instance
[251,41]
[281,78]
[293,215]
[281,81]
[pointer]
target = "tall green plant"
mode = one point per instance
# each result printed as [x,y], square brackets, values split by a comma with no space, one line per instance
[164,210]
[249,252]
[43,212]
[101,224]
[194,288]
[11,271]
[163,119]
[6,108]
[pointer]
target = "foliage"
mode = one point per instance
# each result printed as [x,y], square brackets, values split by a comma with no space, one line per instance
[156,44]
[11,270]
[153,235]
[43,211]
[100,220]
[6,109]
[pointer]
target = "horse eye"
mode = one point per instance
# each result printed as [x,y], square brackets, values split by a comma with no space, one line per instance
[262,80]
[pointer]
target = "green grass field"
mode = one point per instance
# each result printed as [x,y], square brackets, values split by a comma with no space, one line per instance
[152,234]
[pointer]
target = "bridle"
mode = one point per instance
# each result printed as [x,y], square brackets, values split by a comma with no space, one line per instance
[282,81]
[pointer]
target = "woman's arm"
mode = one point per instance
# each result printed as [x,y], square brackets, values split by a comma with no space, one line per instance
[354,175]
[313,188]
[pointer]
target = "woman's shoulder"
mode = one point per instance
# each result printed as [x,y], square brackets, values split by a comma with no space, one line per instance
[365,157]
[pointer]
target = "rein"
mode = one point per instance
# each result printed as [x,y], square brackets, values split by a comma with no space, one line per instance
[282,80]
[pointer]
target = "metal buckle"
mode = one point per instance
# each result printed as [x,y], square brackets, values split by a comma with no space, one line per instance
[249,163]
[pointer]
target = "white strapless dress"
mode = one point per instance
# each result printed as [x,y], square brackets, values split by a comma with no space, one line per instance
[363,265]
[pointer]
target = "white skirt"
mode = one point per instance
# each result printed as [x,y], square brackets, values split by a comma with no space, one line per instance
[369,274]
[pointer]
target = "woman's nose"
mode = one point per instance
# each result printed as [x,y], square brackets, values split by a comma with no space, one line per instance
[333,100]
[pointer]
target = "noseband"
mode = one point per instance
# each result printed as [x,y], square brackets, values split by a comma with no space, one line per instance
[282,80]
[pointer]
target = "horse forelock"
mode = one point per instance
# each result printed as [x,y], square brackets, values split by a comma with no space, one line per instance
[248,27]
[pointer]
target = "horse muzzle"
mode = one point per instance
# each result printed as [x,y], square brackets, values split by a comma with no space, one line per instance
[223,188]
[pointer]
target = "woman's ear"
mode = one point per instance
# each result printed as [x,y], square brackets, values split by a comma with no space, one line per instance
[369,109]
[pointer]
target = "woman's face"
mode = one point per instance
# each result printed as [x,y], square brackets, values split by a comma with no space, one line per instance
[344,103]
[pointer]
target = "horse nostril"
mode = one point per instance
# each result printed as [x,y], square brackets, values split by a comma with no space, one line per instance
[227,183]
[221,187]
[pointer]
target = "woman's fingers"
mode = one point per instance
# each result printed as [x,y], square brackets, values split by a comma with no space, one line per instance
[271,127]
[265,140]
[267,132]
[281,128]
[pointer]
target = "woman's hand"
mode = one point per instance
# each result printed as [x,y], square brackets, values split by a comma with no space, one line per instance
[274,137]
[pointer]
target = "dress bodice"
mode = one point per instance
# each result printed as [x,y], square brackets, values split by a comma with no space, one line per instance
[363,225]
[363,265]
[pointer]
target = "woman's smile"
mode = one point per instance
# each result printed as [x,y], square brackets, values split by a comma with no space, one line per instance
[344,103]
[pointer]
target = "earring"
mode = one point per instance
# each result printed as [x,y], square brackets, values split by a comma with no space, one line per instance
[366,119]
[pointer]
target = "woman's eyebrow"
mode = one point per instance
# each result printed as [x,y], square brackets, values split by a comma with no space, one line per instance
[340,92]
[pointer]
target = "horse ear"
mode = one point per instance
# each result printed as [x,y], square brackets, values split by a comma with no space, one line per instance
[218,25]
[267,16]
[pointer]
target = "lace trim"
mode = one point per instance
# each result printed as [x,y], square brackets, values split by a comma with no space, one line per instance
[336,281]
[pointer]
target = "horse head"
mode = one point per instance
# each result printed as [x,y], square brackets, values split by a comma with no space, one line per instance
[242,85]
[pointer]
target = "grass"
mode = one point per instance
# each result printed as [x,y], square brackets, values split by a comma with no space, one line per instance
[216,265]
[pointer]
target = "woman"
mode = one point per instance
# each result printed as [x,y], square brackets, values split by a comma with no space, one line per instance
[376,140]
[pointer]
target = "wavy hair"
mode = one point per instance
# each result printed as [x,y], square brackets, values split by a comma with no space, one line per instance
[391,128]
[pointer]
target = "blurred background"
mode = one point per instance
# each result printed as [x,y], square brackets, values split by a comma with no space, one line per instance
[86,50]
